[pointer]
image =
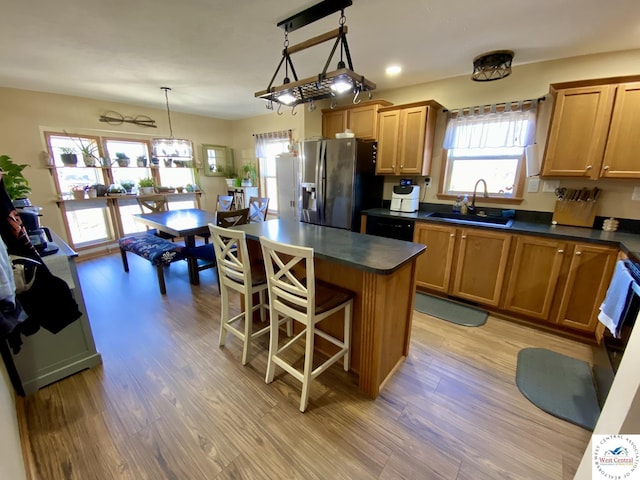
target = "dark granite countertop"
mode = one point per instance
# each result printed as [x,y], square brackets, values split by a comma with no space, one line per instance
[363,252]
[627,242]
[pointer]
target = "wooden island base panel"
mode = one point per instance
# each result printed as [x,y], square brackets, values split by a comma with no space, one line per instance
[380,271]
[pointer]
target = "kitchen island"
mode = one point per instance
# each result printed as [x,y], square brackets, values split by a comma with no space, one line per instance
[380,271]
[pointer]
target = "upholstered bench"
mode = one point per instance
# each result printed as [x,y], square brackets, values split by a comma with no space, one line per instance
[158,251]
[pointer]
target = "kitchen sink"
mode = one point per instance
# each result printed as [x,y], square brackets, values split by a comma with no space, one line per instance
[499,222]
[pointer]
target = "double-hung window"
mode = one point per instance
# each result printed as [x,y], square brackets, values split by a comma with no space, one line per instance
[488,144]
[82,161]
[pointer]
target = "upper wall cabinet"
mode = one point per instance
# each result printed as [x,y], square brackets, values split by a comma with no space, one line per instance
[405,138]
[361,119]
[592,132]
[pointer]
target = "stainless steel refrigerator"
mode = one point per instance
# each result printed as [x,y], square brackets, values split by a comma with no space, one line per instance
[338,181]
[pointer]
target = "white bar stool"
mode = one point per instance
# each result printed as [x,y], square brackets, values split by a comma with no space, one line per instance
[236,272]
[294,293]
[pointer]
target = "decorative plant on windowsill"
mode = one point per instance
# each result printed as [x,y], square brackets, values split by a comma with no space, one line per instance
[122,159]
[15,183]
[146,185]
[128,185]
[68,156]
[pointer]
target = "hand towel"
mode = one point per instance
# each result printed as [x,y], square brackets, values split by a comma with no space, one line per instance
[615,301]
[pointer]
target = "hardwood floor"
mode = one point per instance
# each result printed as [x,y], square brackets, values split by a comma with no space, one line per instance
[168,403]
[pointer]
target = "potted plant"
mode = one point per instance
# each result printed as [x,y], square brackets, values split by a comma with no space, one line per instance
[88,152]
[127,185]
[15,183]
[122,159]
[68,156]
[146,185]
[78,192]
[141,161]
[250,175]
[116,189]
[230,175]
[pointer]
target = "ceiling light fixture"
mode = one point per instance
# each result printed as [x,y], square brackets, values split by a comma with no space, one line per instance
[393,70]
[325,84]
[492,66]
[174,148]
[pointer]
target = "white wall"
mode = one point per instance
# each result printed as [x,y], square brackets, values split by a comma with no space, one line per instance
[11,460]
[621,411]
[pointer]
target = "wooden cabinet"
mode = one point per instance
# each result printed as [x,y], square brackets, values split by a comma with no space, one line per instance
[623,142]
[589,271]
[545,280]
[433,267]
[361,119]
[405,138]
[591,134]
[534,275]
[464,262]
[480,265]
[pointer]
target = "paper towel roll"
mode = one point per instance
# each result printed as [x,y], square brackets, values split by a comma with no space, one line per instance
[532,160]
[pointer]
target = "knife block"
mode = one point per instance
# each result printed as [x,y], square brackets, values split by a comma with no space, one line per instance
[574,213]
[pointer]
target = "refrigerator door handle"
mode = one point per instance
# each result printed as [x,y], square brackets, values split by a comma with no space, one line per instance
[320,182]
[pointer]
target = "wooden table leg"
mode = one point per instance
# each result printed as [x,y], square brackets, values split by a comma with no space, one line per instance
[192,262]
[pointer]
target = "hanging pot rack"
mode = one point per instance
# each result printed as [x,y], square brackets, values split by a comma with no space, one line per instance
[319,86]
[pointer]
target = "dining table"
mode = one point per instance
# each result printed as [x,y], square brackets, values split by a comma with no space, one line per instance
[185,223]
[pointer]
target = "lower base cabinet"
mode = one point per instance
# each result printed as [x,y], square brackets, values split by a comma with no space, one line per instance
[587,280]
[538,279]
[463,262]
[480,265]
[433,267]
[534,276]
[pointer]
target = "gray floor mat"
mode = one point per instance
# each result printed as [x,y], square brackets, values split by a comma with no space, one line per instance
[449,311]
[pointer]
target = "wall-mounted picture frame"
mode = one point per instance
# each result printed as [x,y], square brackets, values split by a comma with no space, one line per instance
[217,160]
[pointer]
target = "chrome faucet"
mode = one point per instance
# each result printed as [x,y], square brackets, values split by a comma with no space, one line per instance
[472,207]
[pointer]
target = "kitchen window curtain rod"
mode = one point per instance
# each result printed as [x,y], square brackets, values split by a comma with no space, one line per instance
[492,107]
[271,133]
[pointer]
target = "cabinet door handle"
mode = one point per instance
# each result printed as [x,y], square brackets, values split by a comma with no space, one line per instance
[560,251]
[605,168]
[463,237]
[452,235]
[578,253]
[589,167]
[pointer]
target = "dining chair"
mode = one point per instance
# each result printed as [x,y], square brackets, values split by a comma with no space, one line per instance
[237,273]
[153,204]
[295,293]
[258,207]
[224,203]
[232,218]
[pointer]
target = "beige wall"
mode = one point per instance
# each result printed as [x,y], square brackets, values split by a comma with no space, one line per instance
[530,81]
[25,115]
[526,81]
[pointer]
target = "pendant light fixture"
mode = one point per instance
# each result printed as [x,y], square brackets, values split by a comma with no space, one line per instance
[492,66]
[325,84]
[171,148]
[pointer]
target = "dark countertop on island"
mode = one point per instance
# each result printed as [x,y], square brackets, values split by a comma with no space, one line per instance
[628,242]
[363,252]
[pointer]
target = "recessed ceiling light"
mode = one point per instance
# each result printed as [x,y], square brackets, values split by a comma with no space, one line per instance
[393,70]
